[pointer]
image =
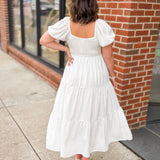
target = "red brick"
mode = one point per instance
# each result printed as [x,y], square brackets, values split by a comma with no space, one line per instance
[117,11]
[146,38]
[147,78]
[134,12]
[135,80]
[127,107]
[140,84]
[142,118]
[135,100]
[134,39]
[127,5]
[111,5]
[138,68]
[127,97]
[150,55]
[132,26]
[132,111]
[144,50]
[142,62]
[149,13]
[110,18]
[140,45]
[148,66]
[138,57]
[134,90]
[126,19]
[123,70]
[145,5]
[124,32]
[156,6]
[116,25]
[105,11]
[143,19]
[132,120]
[101,4]
[138,94]
[148,26]
[152,44]
[144,32]
[155,19]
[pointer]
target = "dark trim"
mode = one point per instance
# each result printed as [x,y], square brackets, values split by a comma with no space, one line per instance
[154,104]
[38,20]
[61,56]
[152,122]
[10,20]
[22,24]
[62,9]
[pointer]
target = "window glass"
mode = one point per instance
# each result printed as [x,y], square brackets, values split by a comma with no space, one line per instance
[16,25]
[49,15]
[30,26]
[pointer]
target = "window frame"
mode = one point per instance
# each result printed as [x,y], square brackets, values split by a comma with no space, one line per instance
[58,68]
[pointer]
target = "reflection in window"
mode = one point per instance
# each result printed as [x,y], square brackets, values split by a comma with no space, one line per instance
[16,31]
[49,16]
[29,7]
[155,87]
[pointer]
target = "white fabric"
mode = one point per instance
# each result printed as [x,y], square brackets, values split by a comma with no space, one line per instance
[86,115]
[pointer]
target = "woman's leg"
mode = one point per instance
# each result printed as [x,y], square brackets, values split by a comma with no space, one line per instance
[78,156]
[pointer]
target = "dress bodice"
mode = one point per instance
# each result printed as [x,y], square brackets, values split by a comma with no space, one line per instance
[103,36]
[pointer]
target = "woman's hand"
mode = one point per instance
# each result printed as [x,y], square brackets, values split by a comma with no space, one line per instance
[70,58]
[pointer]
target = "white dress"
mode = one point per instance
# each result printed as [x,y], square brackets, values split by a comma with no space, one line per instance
[86,116]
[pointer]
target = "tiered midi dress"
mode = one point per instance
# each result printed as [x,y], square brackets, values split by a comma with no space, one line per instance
[86,115]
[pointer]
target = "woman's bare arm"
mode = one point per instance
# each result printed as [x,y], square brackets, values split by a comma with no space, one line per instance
[50,42]
[108,57]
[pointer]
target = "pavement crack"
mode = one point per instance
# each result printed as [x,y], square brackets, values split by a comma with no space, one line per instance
[20,128]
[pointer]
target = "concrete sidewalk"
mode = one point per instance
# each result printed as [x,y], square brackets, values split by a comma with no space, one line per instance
[26,101]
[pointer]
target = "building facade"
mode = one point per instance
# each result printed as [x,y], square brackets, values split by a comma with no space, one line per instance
[136,48]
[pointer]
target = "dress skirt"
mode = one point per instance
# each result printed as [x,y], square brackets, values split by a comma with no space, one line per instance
[86,115]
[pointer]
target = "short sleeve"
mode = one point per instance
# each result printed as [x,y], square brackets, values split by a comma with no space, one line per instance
[59,30]
[105,33]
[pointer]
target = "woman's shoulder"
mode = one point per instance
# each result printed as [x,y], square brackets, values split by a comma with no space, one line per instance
[104,32]
[102,23]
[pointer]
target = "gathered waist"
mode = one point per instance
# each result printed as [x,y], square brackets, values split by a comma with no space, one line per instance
[86,55]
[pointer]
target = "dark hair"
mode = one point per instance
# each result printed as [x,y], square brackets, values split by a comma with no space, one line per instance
[83,11]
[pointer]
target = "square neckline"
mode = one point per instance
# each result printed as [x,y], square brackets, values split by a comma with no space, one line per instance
[81,37]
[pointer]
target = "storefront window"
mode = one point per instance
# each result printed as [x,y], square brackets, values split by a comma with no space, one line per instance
[49,15]
[29,19]
[30,26]
[16,29]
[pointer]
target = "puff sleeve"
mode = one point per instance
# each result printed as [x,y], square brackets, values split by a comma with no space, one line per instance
[59,30]
[105,33]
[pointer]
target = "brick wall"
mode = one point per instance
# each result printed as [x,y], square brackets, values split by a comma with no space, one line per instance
[135,23]
[4,24]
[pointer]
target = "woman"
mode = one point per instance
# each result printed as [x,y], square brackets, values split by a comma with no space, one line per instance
[86,116]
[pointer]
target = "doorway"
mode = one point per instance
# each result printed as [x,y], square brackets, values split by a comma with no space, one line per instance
[153,115]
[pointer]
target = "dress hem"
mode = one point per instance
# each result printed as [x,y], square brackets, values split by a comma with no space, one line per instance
[57,149]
